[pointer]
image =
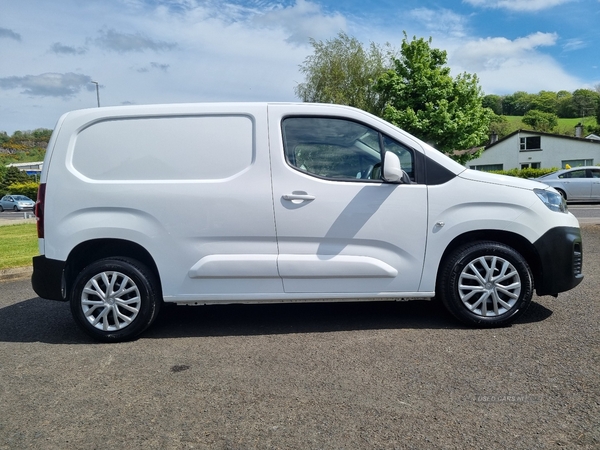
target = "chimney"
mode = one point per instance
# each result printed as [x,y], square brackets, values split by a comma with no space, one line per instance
[493,137]
[579,130]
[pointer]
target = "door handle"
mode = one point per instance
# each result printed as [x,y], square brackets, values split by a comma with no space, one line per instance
[298,197]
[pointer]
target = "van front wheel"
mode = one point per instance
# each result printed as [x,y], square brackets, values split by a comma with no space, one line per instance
[115,299]
[486,284]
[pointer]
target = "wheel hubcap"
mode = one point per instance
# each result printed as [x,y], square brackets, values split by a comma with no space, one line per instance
[110,301]
[489,286]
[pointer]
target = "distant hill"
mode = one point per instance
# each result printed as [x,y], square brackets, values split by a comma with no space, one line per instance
[24,146]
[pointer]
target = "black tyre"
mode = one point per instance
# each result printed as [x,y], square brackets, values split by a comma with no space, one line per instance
[485,284]
[15,208]
[115,299]
[563,193]
[1,209]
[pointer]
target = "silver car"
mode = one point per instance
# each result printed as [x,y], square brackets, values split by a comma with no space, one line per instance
[16,203]
[577,184]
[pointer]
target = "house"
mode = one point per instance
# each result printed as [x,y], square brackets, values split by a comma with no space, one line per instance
[522,149]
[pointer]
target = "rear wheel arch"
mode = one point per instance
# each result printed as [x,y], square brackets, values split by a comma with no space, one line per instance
[89,252]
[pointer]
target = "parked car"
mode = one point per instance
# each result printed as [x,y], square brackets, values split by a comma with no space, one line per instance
[16,203]
[577,184]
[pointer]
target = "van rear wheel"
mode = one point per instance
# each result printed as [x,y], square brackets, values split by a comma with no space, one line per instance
[485,284]
[115,299]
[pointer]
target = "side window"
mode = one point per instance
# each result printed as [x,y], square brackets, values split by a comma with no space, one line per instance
[574,174]
[337,148]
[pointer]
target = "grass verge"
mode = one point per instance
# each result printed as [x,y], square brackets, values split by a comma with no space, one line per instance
[18,244]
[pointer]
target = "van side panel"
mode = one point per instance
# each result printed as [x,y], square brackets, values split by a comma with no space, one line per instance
[187,186]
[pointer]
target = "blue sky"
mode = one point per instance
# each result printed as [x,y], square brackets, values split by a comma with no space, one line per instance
[164,51]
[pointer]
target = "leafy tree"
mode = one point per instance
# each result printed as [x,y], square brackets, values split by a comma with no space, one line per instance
[565,107]
[422,98]
[518,103]
[585,102]
[545,101]
[494,102]
[14,175]
[11,175]
[342,71]
[539,120]
[500,126]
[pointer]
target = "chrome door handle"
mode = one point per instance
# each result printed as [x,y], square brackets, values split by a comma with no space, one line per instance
[298,197]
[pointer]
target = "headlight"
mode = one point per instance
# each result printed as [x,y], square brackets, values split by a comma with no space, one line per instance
[552,199]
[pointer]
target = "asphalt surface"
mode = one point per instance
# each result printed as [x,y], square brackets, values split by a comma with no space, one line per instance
[300,376]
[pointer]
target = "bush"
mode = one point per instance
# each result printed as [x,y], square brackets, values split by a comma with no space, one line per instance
[28,189]
[526,173]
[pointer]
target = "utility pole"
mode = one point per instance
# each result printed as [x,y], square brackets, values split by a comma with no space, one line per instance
[97,92]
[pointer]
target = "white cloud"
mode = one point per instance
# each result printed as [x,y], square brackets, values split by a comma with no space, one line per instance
[61,49]
[518,5]
[505,66]
[443,21]
[130,42]
[302,21]
[574,44]
[492,53]
[48,84]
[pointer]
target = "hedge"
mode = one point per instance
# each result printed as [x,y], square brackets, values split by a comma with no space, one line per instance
[28,189]
[526,173]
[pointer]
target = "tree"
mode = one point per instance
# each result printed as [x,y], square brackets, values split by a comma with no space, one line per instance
[598,107]
[494,102]
[545,101]
[585,102]
[11,175]
[518,103]
[423,99]
[540,121]
[500,126]
[342,71]
[565,107]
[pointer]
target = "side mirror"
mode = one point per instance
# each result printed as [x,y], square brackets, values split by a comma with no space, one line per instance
[392,171]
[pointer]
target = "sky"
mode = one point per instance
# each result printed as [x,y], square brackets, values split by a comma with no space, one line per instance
[172,51]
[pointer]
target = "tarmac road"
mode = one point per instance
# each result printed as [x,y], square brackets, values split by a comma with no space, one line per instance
[300,376]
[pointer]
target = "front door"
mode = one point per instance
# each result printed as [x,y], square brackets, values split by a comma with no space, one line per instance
[341,228]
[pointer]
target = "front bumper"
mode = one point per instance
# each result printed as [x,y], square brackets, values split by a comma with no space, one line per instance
[48,278]
[561,260]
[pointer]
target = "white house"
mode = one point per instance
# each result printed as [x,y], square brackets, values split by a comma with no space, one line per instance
[522,149]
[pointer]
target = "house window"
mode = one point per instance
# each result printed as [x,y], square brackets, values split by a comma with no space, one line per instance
[576,162]
[488,167]
[531,143]
[535,165]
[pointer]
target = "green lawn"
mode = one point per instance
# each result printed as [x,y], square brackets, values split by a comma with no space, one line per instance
[18,244]
[565,126]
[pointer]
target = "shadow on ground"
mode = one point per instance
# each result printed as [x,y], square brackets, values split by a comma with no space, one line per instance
[37,320]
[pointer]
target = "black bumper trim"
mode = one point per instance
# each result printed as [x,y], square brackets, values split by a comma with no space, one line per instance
[561,258]
[47,278]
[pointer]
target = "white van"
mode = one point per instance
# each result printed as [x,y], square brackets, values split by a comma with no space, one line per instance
[199,204]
